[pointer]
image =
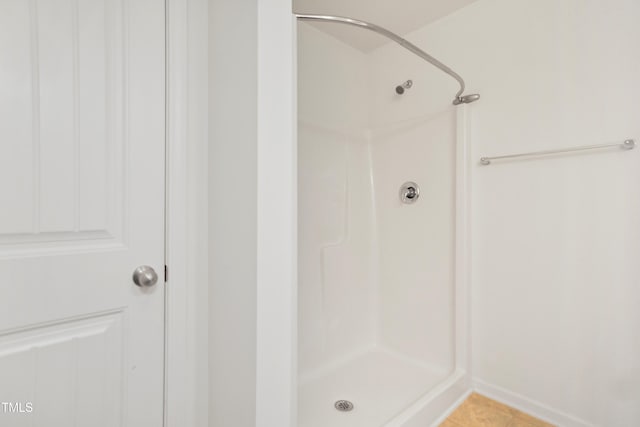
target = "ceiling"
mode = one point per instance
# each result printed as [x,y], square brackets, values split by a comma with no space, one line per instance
[398,16]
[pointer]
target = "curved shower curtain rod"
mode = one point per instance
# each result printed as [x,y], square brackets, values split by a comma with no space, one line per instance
[459,99]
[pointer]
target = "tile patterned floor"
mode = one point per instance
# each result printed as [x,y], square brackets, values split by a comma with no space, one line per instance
[480,411]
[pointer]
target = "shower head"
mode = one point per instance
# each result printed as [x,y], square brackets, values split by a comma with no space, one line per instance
[406,85]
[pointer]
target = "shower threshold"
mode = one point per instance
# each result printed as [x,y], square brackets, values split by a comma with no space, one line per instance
[379,383]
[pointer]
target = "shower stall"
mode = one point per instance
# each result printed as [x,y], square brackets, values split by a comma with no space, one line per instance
[382,232]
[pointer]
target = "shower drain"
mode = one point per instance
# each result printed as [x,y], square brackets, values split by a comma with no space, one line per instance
[343,405]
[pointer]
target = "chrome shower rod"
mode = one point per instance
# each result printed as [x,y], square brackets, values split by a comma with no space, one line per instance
[459,98]
[626,145]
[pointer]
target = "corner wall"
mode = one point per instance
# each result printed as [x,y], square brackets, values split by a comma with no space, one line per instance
[252,214]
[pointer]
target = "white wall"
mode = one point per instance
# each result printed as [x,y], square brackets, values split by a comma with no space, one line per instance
[232,212]
[373,272]
[416,241]
[252,214]
[332,81]
[336,284]
[555,279]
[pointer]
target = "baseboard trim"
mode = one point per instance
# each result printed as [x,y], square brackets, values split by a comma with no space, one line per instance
[451,409]
[528,406]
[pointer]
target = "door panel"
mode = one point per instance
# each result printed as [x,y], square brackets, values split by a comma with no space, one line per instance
[66,143]
[82,205]
[70,371]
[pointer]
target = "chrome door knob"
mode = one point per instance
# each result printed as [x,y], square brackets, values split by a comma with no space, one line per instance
[145,276]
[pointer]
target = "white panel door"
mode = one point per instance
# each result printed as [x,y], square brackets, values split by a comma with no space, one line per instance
[81,206]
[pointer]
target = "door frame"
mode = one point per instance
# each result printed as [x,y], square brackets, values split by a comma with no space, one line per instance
[186,308]
[186,314]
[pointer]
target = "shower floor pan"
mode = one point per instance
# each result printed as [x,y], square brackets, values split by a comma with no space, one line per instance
[379,383]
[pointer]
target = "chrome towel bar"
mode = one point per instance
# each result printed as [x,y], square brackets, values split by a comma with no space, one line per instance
[626,145]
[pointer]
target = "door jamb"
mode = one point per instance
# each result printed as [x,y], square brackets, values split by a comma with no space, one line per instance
[186,348]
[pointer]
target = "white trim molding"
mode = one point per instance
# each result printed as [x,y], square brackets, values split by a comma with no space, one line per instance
[528,405]
[277,218]
[186,350]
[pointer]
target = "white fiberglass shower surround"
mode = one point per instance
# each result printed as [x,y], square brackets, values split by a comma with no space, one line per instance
[382,294]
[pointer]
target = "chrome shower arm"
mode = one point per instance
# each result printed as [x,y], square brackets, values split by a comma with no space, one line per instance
[459,98]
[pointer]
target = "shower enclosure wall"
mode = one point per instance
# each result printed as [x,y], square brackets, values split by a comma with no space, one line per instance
[382,298]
